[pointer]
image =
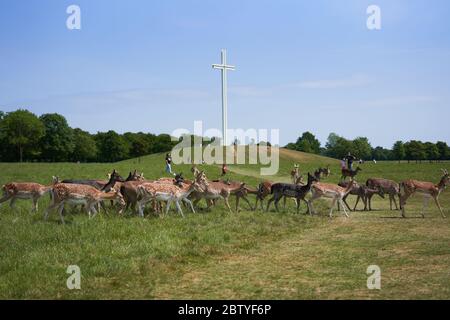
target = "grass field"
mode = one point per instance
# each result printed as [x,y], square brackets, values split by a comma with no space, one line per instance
[209,255]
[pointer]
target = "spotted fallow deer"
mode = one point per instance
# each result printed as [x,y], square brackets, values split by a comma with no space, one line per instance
[25,190]
[296,177]
[213,191]
[349,173]
[329,190]
[154,191]
[427,189]
[390,187]
[88,196]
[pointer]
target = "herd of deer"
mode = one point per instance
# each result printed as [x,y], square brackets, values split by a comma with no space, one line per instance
[136,192]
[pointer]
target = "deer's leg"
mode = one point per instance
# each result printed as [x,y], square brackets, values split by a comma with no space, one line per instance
[227,204]
[345,202]
[248,202]
[256,203]
[395,202]
[179,208]
[284,203]
[238,198]
[5,198]
[52,206]
[169,202]
[298,205]
[269,202]
[12,204]
[426,199]
[403,203]
[357,201]
[277,199]
[343,207]
[333,203]
[34,207]
[189,202]
[439,206]
[92,209]
[60,212]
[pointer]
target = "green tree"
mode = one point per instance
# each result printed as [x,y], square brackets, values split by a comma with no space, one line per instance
[57,143]
[111,146]
[85,147]
[444,150]
[337,146]
[432,151]
[398,151]
[308,143]
[138,142]
[361,148]
[381,154]
[415,150]
[22,130]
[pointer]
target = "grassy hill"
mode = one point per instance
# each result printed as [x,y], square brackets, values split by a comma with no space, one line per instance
[219,255]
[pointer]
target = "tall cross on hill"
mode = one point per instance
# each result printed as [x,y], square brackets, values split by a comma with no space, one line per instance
[224,67]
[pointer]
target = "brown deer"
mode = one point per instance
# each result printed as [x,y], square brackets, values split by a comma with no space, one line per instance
[328,190]
[25,190]
[349,173]
[427,189]
[386,186]
[326,172]
[362,192]
[264,189]
[88,196]
[295,175]
[216,190]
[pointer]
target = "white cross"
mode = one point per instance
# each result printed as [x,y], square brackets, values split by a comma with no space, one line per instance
[224,67]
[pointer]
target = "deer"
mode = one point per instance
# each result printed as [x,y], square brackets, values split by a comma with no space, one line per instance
[295,175]
[329,190]
[390,187]
[362,192]
[25,190]
[349,173]
[88,196]
[280,190]
[326,172]
[165,192]
[427,189]
[216,190]
[264,189]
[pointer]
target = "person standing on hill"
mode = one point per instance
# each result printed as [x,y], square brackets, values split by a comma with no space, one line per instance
[169,164]
[224,169]
[350,158]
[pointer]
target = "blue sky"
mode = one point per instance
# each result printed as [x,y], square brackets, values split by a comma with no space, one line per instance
[301,65]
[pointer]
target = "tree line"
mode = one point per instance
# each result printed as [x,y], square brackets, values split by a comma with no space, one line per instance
[338,147]
[49,138]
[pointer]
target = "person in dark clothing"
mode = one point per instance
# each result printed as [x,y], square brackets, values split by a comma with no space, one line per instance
[350,158]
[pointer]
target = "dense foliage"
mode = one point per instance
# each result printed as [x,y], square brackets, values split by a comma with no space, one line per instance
[338,147]
[49,138]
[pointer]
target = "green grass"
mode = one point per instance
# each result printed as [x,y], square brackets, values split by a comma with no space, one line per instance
[253,255]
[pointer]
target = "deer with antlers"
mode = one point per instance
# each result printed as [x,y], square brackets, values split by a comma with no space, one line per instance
[329,190]
[88,196]
[25,190]
[427,189]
